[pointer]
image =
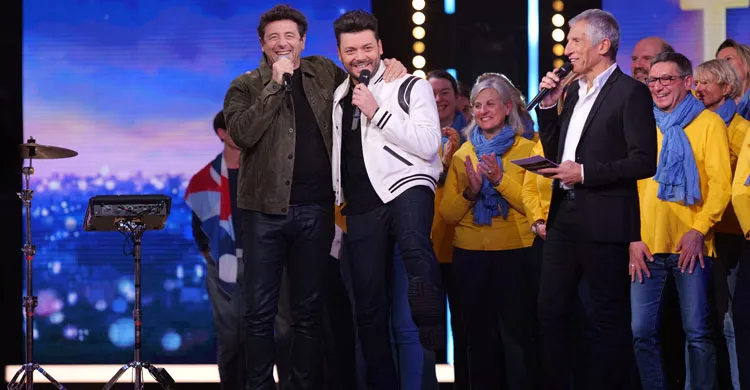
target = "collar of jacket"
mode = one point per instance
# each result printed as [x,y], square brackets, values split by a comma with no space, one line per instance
[266,70]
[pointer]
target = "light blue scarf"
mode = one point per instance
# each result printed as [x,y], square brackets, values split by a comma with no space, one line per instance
[743,107]
[727,111]
[676,172]
[528,130]
[489,202]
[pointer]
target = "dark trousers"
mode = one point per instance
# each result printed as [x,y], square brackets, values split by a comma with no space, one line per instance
[724,275]
[566,260]
[460,357]
[301,241]
[227,309]
[339,368]
[370,240]
[741,310]
[497,322]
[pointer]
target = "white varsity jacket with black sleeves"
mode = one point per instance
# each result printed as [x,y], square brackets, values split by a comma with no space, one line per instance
[400,145]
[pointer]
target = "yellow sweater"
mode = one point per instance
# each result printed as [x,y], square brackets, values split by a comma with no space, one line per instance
[536,192]
[741,192]
[504,234]
[736,133]
[664,223]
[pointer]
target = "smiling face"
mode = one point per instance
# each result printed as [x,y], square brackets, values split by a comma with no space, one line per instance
[282,38]
[667,86]
[489,110]
[359,51]
[445,97]
[640,61]
[581,50]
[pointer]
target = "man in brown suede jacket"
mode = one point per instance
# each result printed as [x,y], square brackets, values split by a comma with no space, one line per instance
[280,116]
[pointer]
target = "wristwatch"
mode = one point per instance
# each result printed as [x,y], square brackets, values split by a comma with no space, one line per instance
[535,224]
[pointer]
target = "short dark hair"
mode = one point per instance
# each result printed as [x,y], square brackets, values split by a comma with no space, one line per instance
[443,74]
[684,66]
[666,48]
[282,12]
[219,122]
[355,21]
[464,89]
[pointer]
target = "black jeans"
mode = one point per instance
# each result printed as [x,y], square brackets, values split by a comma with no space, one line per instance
[492,287]
[301,241]
[741,311]
[370,241]
[604,266]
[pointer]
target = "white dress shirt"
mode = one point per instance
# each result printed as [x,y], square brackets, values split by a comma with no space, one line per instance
[581,111]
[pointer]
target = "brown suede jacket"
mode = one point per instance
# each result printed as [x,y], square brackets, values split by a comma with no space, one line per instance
[260,119]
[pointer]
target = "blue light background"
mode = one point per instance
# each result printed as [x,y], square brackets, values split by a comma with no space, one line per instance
[133,86]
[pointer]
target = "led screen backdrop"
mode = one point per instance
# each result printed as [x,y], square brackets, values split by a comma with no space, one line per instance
[694,28]
[132,86]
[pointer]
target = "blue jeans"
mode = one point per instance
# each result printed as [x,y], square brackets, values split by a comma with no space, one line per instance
[645,302]
[415,364]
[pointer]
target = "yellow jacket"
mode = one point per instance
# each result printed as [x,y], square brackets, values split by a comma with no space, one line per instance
[536,192]
[504,234]
[664,223]
[741,192]
[736,133]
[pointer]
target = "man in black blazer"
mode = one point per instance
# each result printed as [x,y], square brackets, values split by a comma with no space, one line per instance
[604,140]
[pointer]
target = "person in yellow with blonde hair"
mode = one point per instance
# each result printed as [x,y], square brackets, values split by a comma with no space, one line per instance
[741,302]
[716,86]
[679,207]
[482,197]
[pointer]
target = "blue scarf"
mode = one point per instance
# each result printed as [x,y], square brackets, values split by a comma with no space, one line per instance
[727,110]
[676,172]
[743,107]
[489,202]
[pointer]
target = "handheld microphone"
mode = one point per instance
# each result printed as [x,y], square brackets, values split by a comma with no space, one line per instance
[561,73]
[364,78]
[287,77]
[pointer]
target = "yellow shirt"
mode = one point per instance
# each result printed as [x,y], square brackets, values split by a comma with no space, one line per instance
[736,133]
[741,192]
[504,234]
[536,192]
[664,223]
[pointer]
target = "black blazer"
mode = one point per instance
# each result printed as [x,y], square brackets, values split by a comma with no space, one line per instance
[617,148]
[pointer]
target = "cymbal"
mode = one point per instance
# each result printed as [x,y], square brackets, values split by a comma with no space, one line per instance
[36,151]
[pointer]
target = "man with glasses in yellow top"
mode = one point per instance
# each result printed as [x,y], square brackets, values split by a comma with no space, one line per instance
[679,207]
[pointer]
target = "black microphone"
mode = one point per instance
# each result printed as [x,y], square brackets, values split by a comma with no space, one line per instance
[561,73]
[364,78]
[287,78]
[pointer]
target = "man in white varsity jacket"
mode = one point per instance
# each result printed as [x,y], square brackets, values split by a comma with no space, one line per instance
[385,168]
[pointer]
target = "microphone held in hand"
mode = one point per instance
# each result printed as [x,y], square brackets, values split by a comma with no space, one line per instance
[561,73]
[287,76]
[364,78]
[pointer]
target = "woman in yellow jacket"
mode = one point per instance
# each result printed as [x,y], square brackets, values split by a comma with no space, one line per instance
[482,197]
[741,302]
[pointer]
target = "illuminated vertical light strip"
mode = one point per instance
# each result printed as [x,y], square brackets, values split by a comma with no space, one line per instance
[533,37]
[449,6]
[452,73]
[448,334]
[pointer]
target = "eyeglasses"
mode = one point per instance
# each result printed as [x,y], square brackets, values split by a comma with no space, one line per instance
[665,81]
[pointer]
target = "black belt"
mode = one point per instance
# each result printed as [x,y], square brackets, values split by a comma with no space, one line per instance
[569,195]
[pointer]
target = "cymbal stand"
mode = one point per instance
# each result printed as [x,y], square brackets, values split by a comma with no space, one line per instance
[24,377]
